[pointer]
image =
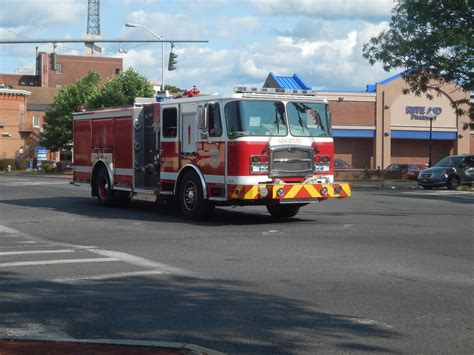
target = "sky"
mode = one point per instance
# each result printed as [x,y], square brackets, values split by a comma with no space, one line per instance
[319,40]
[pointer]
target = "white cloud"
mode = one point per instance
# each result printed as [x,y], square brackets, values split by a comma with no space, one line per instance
[331,63]
[329,9]
[173,26]
[42,12]
[139,2]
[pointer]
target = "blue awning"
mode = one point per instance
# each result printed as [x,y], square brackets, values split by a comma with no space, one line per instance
[357,133]
[423,135]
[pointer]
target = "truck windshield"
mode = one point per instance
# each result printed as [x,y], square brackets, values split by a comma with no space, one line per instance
[255,118]
[308,119]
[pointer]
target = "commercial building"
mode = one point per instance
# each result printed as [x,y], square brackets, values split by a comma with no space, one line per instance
[380,126]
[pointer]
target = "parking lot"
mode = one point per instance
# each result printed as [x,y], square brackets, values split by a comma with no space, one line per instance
[388,270]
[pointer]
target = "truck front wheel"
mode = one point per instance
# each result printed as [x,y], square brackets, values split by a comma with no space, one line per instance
[192,203]
[283,211]
[105,192]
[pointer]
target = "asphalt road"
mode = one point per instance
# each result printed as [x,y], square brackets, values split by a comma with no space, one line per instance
[384,271]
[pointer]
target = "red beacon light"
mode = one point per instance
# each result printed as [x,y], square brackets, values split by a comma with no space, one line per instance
[193,92]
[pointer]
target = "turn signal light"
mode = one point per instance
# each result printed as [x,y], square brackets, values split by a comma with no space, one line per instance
[322,158]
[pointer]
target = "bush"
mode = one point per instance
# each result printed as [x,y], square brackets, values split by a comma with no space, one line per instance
[47,168]
[5,162]
[20,164]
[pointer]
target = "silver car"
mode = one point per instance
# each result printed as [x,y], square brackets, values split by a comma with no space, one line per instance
[451,171]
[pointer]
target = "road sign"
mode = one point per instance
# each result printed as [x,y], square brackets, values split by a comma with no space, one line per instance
[41,153]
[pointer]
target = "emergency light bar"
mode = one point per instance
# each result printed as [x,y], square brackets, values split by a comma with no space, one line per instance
[250,89]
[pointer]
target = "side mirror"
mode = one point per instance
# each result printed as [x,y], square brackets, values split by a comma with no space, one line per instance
[329,122]
[202,118]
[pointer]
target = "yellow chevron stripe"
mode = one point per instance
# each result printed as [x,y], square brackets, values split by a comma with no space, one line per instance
[293,191]
[312,191]
[252,193]
[347,189]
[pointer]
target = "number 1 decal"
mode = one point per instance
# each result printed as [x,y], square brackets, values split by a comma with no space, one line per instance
[189,134]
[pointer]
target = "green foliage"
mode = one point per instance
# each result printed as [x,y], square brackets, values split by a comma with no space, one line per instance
[4,163]
[433,39]
[47,168]
[58,118]
[172,89]
[87,92]
[15,164]
[20,164]
[122,90]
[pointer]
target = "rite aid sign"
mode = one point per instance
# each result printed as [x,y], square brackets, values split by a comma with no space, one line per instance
[423,112]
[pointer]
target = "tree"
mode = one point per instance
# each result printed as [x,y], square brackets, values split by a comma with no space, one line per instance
[434,40]
[57,132]
[122,90]
[88,93]
[173,89]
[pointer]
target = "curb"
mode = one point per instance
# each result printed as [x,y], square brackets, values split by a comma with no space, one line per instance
[53,176]
[125,342]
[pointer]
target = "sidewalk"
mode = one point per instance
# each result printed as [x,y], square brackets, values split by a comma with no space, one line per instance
[384,184]
[66,175]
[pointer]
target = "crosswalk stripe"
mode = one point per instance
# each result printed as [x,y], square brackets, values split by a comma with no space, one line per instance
[25,252]
[60,261]
[115,275]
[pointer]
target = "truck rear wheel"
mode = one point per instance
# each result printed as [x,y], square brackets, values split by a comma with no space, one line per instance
[105,192]
[192,203]
[283,211]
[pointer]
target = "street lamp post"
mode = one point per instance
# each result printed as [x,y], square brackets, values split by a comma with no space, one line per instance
[431,139]
[162,50]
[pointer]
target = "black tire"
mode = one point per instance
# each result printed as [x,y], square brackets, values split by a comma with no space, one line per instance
[427,187]
[192,203]
[283,211]
[105,192]
[453,183]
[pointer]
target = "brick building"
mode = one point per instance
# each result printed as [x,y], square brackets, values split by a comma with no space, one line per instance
[33,93]
[13,122]
[382,126]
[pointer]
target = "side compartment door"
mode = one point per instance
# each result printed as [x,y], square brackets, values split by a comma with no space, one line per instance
[211,151]
[169,148]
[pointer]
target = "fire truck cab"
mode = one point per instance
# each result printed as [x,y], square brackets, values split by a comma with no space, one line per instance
[269,147]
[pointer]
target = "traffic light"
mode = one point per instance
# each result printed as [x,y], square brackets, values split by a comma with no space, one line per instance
[173,60]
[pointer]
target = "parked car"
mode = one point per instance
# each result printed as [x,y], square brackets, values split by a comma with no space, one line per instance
[341,164]
[404,171]
[450,171]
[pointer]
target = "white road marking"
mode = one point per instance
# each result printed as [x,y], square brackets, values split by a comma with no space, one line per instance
[109,255]
[59,261]
[138,261]
[36,252]
[106,276]
[371,322]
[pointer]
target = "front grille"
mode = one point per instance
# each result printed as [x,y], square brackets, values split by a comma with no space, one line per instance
[425,175]
[291,161]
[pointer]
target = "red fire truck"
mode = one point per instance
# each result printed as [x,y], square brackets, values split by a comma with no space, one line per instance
[269,147]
